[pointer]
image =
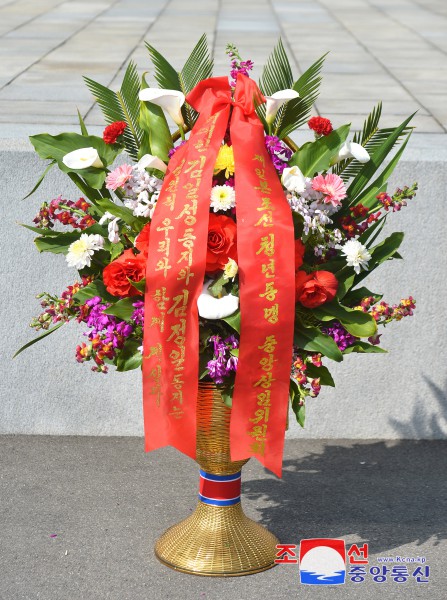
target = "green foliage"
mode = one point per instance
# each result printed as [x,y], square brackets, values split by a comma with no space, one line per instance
[298,409]
[369,196]
[370,138]
[123,309]
[321,372]
[277,73]
[296,112]
[55,147]
[356,322]
[234,321]
[139,285]
[364,348]
[198,66]
[123,105]
[311,339]
[368,169]
[129,357]
[316,156]
[156,138]
[41,178]
[95,288]
[82,124]
[354,297]
[39,338]
[122,212]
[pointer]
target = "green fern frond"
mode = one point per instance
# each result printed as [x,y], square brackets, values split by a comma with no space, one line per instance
[277,73]
[121,106]
[198,66]
[296,112]
[165,74]
[370,127]
[371,137]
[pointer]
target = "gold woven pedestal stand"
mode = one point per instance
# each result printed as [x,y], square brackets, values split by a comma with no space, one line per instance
[216,540]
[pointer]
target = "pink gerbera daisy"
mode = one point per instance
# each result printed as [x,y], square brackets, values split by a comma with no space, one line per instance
[117,178]
[331,186]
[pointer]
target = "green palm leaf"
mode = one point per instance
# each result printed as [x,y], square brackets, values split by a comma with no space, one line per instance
[198,66]
[296,112]
[121,106]
[371,137]
[277,73]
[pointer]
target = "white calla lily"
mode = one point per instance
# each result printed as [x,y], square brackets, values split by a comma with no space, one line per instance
[275,101]
[169,100]
[293,180]
[148,161]
[353,150]
[82,159]
[216,308]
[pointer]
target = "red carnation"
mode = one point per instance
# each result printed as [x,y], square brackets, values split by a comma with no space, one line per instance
[320,125]
[316,288]
[116,275]
[112,132]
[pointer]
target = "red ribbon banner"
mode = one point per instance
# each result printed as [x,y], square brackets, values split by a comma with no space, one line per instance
[176,270]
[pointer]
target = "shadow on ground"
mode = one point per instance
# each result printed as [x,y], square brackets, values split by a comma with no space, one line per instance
[386,493]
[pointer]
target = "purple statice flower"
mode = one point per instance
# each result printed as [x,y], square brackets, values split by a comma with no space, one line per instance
[279,152]
[223,363]
[173,150]
[138,314]
[341,337]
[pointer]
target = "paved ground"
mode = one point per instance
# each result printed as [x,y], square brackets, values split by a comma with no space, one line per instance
[380,49]
[107,502]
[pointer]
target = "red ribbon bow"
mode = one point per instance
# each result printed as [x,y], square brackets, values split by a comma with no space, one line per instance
[176,270]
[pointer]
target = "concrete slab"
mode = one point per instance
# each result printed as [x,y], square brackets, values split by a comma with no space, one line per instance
[80,517]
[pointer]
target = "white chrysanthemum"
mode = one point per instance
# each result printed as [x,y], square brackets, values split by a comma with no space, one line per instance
[357,255]
[222,197]
[81,251]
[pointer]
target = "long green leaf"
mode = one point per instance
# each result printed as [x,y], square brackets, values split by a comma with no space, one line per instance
[356,322]
[322,373]
[376,160]
[123,105]
[129,357]
[369,196]
[55,147]
[122,212]
[370,127]
[311,339]
[364,347]
[153,123]
[277,73]
[40,337]
[316,156]
[123,309]
[41,178]
[95,288]
[234,321]
[296,112]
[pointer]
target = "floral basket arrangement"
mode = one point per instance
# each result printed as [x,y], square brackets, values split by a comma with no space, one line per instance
[222,258]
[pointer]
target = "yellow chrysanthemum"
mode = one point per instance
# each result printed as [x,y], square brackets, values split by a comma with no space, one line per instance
[225,160]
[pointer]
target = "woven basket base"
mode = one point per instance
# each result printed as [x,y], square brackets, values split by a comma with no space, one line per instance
[217,541]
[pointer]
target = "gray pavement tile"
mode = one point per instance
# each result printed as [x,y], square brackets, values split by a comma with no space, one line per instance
[107,502]
[380,48]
